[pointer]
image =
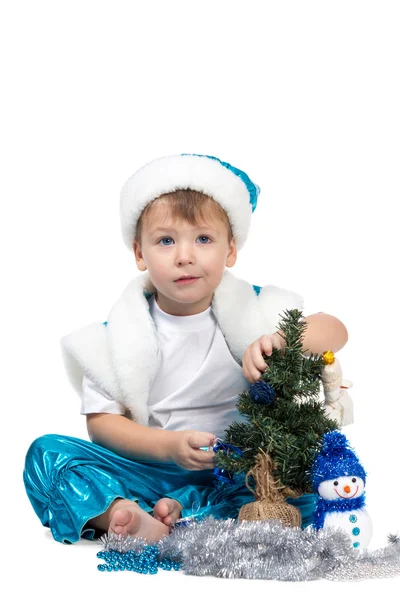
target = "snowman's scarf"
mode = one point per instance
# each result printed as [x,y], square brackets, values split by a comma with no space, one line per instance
[340,505]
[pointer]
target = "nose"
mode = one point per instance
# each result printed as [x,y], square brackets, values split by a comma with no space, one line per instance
[184,254]
[347,489]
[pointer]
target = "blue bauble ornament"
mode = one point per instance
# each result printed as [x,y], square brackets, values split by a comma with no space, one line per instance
[261,392]
[223,474]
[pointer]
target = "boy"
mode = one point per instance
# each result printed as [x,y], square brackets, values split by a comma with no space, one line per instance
[159,380]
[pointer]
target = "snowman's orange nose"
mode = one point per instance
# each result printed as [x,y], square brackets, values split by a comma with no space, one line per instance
[347,489]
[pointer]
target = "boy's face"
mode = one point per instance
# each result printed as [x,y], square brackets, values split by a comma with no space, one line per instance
[171,249]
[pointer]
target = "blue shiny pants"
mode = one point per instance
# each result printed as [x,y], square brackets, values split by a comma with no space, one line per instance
[70,481]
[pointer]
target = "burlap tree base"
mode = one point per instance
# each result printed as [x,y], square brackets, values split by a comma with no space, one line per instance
[270,496]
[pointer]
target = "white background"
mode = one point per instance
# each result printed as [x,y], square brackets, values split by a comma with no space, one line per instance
[303,96]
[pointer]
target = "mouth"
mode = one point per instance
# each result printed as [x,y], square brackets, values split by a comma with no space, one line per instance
[186,279]
[347,496]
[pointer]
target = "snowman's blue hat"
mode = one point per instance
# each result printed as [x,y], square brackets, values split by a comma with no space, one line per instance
[335,459]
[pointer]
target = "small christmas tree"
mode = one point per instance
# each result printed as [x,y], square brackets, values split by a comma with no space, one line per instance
[285,423]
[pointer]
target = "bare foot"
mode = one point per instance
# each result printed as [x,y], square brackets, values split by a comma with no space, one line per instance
[127,518]
[167,510]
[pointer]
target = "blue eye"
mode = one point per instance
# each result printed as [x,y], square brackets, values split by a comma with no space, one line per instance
[168,238]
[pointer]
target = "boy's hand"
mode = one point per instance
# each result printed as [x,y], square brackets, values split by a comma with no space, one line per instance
[253,364]
[185,450]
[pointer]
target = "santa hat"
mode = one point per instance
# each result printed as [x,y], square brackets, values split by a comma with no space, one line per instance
[335,459]
[227,185]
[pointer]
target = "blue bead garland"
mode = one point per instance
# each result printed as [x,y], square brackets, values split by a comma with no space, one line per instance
[146,562]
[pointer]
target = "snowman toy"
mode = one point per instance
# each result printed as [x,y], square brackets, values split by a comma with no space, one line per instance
[339,480]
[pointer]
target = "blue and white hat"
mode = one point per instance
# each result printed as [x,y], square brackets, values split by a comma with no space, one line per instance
[227,185]
[335,459]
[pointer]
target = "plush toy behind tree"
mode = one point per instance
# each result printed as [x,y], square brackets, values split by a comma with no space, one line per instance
[338,404]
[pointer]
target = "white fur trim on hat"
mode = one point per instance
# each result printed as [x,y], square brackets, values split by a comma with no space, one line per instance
[200,173]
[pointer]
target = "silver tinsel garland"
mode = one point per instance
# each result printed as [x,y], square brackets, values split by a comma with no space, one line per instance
[267,550]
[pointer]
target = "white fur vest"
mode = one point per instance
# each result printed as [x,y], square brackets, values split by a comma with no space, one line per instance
[122,355]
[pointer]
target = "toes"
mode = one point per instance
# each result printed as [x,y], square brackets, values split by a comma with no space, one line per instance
[168,520]
[163,508]
[120,521]
[167,511]
[120,529]
[122,517]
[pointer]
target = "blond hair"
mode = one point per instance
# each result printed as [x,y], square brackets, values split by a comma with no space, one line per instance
[188,205]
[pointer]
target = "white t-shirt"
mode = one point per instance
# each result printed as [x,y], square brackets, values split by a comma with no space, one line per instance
[198,380]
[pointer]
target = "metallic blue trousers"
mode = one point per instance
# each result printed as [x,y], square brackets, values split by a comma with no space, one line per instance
[70,481]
